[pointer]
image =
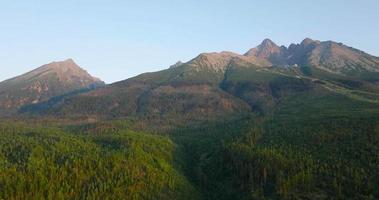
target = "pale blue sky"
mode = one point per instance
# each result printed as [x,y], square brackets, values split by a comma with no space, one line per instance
[117,39]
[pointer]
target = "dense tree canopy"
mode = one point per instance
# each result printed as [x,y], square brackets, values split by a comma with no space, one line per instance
[49,163]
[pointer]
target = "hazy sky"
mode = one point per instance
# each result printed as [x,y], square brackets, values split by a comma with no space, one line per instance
[117,39]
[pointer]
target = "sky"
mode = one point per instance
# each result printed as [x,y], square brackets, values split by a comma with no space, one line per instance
[118,39]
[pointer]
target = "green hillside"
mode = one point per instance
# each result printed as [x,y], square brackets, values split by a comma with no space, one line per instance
[49,163]
[319,150]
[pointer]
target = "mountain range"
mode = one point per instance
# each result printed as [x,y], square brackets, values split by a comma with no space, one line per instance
[214,85]
[296,122]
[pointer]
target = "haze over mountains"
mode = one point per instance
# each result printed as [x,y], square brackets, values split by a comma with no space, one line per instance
[210,86]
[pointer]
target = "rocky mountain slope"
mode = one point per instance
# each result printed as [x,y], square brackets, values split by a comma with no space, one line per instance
[220,85]
[43,83]
[328,55]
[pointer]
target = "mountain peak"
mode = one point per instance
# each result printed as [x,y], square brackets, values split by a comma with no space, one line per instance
[215,61]
[62,68]
[267,43]
[69,60]
[308,41]
[42,83]
[64,63]
[265,50]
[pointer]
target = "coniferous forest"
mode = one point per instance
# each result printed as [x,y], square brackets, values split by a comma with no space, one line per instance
[247,158]
[53,163]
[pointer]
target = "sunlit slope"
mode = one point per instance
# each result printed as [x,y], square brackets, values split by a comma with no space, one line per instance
[49,163]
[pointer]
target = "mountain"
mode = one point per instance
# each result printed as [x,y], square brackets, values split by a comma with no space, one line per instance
[328,55]
[43,83]
[219,85]
[268,50]
[297,122]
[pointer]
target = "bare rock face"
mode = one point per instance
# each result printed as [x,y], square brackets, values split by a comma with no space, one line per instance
[266,49]
[328,55]
[337,57]
[47,81]
[269,51]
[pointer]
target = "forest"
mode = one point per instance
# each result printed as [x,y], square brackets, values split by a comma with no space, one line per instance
[278,159]
[246,158]
[52,163]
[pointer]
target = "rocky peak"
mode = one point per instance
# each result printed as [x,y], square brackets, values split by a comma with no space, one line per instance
[307,41]
[270,51]
[215,61]
[265,50]
[332,56]
[61,66]
[47,81]
[64,70]
[267,43]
